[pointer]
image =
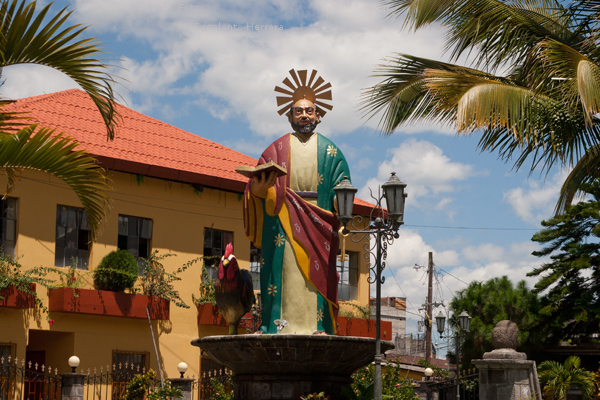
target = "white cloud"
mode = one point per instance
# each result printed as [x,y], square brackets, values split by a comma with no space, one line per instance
[235,71]
[536,201]
[430,175]
[456,267]
[25,80]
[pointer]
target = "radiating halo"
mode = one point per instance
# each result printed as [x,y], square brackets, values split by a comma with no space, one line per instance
[301,89]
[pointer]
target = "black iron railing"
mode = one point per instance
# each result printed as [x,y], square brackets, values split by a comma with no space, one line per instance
[20,380]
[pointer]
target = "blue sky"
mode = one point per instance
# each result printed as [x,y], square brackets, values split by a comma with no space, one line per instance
[176,65]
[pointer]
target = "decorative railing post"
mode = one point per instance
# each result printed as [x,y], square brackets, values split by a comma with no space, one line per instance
[185,384]
[72,386]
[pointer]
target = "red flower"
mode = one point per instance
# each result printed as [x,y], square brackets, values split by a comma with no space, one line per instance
[51,322]
[74,278]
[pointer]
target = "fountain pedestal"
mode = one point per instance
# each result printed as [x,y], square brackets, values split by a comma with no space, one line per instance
[289,366]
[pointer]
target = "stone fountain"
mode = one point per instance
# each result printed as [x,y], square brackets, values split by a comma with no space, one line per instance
[284,366]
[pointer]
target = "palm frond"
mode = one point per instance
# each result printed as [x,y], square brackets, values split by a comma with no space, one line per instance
[512,118]
[25,37]
[578,77]
[404,95]
[586,171]
[420,13]
[37,149]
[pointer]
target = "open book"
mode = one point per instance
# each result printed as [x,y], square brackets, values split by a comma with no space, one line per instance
[267,168]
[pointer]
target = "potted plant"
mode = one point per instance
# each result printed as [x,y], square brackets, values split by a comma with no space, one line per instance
[17,287]
[116,272]
[208,312]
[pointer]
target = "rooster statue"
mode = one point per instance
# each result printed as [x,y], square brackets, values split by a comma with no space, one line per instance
[234,294]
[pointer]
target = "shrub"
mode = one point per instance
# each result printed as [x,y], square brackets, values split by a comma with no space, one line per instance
[116,272]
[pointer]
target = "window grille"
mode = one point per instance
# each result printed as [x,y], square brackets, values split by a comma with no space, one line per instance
[348,271]
[255,265]
[215,241]
[135,235]
[73,237]
[8,207]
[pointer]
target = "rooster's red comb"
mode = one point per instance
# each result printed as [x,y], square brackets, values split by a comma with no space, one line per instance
[228,250]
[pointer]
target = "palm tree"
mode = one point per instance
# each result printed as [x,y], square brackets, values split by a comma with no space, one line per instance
[557,378]
[26,38]
[542,110]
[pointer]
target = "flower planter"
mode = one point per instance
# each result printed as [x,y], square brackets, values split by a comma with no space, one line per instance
[14,298]
[363,328]
[102,302]
[208,314]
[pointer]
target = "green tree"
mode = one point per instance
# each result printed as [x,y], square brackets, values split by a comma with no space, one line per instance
[557,378]
[36,37]
[570,281]
[542,109]
[490,302]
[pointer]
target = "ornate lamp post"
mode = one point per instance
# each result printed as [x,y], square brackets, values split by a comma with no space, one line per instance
[384,226]
[464,326]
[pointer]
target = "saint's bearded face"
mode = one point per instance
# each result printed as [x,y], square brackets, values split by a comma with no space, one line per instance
[304,116]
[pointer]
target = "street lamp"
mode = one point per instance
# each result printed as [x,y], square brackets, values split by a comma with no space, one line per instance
[440,321]
[182,367]
[464,326]
[383,224]
[73,363]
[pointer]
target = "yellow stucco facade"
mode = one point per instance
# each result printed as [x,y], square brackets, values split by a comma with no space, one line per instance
[180,215]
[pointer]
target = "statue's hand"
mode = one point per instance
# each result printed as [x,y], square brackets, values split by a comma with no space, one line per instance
[262,183]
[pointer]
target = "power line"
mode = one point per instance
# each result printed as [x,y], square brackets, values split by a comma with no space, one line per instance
[471,228]
[458,279]
[405,296]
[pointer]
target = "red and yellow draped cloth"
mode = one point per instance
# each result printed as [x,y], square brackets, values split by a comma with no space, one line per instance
[309,230]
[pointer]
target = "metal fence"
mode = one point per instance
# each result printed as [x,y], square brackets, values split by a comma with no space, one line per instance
[111,383]
[107,384]
[28,381]
[446,389]
[204,388]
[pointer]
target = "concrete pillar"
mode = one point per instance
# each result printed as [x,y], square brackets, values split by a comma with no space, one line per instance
[504,379]
[72,386]
[185,384]
[504,373]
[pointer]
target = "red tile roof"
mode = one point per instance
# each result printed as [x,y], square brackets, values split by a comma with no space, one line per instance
[142,145]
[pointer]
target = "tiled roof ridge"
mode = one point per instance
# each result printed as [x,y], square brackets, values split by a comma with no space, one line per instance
[137,115]
[46,96]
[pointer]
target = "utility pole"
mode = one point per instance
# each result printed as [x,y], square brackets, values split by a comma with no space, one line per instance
[429,309]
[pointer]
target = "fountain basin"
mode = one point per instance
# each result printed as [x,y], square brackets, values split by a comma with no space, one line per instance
[289,366]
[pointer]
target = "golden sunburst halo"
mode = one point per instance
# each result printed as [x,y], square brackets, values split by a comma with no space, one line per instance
[313,90]
[279,240]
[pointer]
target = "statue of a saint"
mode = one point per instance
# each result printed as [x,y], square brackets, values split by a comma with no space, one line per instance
[291,217]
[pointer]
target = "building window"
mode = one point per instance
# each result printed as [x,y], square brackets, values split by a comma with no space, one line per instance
[126,364]
[125,359]
[7,352]
[73,238]
[9,225]
[215,242]
[255,264]
[348,270]
[134,236]
[7,378]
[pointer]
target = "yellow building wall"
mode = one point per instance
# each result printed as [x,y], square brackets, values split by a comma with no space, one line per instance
[180,214]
